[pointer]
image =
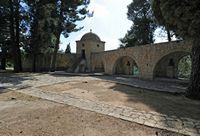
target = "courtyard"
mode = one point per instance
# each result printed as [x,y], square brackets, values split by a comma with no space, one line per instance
[61,104]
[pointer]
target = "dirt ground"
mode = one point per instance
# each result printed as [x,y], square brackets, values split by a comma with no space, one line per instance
[23,115]
[140,99]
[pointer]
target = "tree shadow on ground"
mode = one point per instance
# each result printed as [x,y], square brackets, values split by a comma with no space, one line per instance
[9,80]
[171,104]
[164,103]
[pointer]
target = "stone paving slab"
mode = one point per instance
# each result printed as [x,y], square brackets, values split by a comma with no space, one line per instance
[153,119]
[156,85]
[27,84]
[36,80]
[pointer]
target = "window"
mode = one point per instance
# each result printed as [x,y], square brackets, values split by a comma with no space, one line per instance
[97,45]
[83,45]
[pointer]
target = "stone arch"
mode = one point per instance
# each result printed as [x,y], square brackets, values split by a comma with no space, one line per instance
[126,65]
[167,65]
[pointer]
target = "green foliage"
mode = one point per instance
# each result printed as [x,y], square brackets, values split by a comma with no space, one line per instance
[11,12]
[184,67]
[51,18]
[9,64]
[180,16]
[4,23]
[142,30]
[48,20]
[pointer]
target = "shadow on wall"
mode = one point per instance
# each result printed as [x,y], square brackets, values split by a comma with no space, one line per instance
[175,65]
[126,66]
[99,68]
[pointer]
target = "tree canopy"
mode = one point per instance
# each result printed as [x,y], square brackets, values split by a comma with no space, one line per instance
[50,19]
[180,16]
[142,30]
[37,25]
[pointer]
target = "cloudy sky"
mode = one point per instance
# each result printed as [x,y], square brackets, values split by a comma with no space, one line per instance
[109,22]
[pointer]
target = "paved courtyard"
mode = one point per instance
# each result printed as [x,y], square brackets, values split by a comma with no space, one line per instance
[37,85]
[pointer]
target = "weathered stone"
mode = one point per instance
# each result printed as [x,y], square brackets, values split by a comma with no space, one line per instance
[139,120]
[126,118]
[148,116]
[114,115]
[174,124]
[136,54]
[159,118]
[188,124]
[150,123]
[198,130]
[191,130]
[198,126]
[127,112]
[134,115]
[118,110]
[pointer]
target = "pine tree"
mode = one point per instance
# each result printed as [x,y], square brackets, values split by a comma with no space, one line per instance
[50,19]
[10,32]
[142,30]
[69,12]
[5,33]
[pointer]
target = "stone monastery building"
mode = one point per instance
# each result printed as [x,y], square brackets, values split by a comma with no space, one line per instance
[146,62]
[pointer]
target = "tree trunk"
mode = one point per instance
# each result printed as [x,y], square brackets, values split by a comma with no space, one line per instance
[194,87]
[18,52]
[34,63]
[169,36]
[48,32]
[3,58]
[12,38]
[34,45]
[53,62]
[58,33]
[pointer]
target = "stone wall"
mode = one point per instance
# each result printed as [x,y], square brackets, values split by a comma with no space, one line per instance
[146,57]
[64,61]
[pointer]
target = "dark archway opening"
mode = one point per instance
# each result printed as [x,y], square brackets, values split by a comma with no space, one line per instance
[126,66]
[175,65]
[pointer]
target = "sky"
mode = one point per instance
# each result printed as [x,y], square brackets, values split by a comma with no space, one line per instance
[109,22]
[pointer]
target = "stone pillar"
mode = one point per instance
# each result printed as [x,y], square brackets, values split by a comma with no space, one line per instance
[146,72]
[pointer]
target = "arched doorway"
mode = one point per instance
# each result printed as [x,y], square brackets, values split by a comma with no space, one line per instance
[126,66]
[171,65]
